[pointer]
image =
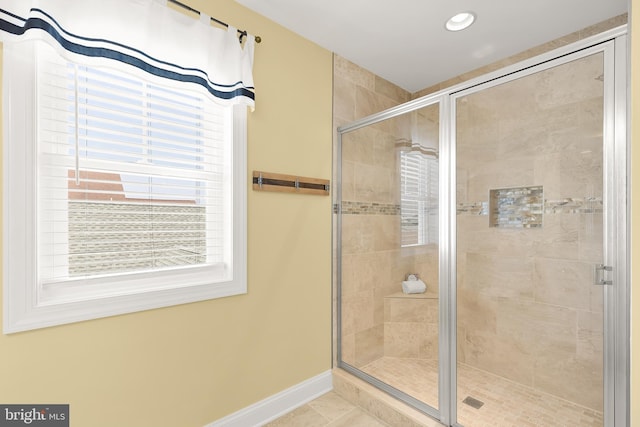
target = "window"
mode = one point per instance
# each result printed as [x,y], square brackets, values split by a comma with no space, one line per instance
[418,198]
[121,194]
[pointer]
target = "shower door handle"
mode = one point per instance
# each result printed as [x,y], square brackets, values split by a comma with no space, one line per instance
[599,273]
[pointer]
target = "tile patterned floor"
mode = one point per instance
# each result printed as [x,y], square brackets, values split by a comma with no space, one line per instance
[416,377]
[505,403]
[328,410]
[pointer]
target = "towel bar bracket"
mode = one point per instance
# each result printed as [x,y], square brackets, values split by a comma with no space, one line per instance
[266,181]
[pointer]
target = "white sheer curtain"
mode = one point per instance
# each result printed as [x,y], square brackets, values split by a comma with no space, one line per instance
[145,34]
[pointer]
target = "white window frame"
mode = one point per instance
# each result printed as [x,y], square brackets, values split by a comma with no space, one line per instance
[427,228]
[26,304]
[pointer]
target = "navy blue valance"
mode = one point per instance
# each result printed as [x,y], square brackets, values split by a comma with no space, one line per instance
[147,35]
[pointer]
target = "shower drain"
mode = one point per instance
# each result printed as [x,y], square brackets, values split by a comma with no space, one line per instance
[474,403]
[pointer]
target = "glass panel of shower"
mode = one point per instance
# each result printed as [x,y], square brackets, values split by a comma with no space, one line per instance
[507,196]
[389,254]
[529,177]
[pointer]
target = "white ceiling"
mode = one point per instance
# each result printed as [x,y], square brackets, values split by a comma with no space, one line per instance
[405,42]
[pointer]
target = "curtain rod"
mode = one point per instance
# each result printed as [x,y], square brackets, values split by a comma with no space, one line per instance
[242,33]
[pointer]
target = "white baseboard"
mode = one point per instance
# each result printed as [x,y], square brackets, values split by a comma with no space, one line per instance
[279,404]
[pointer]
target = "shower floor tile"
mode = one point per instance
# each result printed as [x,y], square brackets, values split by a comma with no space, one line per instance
[416,377]
[504,403]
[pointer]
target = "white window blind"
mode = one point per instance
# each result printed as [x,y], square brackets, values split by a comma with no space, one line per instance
[133,177]
[419,198]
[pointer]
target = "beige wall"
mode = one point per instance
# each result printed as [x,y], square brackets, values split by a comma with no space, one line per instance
[189,365]
[635,213]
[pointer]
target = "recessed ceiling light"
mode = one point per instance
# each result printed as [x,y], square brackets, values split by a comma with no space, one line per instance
[460,21]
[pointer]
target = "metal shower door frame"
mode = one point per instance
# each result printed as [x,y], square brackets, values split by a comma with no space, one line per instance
[614,45]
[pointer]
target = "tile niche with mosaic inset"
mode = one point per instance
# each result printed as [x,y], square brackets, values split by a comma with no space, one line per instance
[519,207]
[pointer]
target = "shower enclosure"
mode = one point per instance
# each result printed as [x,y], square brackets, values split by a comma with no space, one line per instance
[506,196]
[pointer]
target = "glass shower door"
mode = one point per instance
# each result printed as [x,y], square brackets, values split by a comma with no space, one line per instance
[389,234]
[529,225]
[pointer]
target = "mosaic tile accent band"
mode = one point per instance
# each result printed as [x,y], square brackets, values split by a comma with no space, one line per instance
[473,208]
[568,205]
[586,205]
[369,208]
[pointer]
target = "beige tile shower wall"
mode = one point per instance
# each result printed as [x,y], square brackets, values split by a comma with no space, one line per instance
[528,310]
[359,93]
[411,325]
[372,265]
